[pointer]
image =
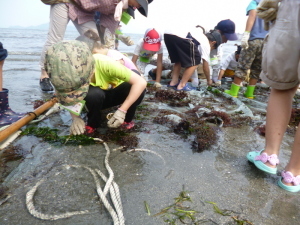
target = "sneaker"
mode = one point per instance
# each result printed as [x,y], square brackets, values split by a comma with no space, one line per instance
[152,75]
[128,125]
[89,130]
[46,85]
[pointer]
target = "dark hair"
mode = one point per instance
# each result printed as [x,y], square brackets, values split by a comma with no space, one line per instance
[238,51]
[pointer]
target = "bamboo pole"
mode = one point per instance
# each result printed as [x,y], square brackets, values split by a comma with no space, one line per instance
[26,119]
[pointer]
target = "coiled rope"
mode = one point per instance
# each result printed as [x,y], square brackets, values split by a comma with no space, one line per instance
[116,212]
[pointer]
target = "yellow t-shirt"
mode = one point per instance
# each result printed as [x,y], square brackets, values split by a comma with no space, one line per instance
[109,73]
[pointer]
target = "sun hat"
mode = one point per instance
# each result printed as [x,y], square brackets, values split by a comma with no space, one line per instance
[3,52]
[143,9]
[227,28]
[70,65]
[152,40]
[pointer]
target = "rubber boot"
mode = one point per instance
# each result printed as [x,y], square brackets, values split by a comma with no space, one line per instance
[7,116]
[234,90]
[249,92]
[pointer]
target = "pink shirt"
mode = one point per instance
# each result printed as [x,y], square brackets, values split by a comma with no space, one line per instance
[89,7]
[116,55]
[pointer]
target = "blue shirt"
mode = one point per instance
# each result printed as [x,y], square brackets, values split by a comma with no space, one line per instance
[258,31]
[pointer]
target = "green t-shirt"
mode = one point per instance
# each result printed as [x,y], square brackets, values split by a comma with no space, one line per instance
[109,73]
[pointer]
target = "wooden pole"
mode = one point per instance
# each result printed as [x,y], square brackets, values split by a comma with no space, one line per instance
[26,119]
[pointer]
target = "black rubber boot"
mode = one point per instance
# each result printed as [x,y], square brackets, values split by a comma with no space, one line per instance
[7,116]
[46,85]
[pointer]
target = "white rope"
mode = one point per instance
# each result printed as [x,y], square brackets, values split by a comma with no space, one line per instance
[140,150]
[10,138]
[110,186]
[147,150]
[35,213]
[55,108]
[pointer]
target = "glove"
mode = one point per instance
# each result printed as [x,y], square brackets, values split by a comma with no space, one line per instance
[157,85]
[267,10]
[77,126]
[218,83]
[244,40]
[126,40]
[117,119]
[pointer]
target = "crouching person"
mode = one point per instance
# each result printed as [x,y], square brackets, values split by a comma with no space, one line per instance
[96,80]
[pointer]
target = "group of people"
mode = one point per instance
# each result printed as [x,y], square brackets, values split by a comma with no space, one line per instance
[88,72]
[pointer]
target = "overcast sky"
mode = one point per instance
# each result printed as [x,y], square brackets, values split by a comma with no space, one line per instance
[162,14]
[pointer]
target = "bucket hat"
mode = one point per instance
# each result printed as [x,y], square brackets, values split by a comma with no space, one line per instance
[70,65]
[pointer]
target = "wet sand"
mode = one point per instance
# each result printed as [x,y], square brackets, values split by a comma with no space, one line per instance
[220,174]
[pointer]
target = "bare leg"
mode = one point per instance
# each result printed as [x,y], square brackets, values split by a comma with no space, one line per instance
[252,81]
[175,74]
[278,116]
[186,76]
[237,80]
[294,164]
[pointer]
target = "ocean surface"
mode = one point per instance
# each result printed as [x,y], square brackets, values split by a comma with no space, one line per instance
[24,47]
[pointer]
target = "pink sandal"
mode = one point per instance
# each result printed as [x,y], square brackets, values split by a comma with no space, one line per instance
[288,178]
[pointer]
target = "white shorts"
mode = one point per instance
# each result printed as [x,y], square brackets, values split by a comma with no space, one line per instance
[281,52]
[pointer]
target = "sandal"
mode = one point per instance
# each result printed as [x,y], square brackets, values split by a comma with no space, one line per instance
[186,88]
[173,86]
[128,125]
[289,178]
[259,161]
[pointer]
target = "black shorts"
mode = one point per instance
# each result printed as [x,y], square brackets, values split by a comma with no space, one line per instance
[182,50]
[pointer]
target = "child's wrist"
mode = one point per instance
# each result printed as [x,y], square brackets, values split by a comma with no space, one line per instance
[122,110]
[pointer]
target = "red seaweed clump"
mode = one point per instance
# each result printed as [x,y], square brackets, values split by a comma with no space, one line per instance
[261,130]
[224,116]
[206,136]
[37,103]
[295,117]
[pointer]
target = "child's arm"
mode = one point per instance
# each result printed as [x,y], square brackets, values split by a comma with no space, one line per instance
[134,60]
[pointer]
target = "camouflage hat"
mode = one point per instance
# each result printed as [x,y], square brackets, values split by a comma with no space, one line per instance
[70,65]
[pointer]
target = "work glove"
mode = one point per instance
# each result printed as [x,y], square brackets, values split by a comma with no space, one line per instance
[117,119]
[244,40]
[126,40]
[157,85]
[77,126]
[217,83]
[267,10]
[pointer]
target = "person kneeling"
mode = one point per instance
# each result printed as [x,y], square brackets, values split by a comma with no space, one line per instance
[100,81]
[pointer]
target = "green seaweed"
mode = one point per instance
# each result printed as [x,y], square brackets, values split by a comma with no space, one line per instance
[51,136]
[177,212]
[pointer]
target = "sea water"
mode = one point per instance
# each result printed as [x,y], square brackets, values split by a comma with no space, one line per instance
[24,46]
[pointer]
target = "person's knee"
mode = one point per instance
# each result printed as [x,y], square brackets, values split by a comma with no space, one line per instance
[94,96]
